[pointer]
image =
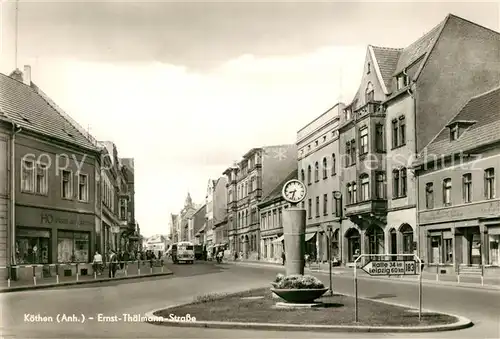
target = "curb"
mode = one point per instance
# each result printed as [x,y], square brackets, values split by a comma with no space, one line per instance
[424,281]
[460,324]
[84,282]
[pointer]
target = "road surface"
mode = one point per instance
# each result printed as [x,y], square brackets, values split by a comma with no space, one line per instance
[138,297]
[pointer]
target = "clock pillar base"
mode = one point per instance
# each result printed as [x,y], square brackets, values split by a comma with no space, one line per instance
[294,229]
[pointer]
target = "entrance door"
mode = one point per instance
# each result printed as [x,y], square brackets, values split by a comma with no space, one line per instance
[475,249]
[394,244]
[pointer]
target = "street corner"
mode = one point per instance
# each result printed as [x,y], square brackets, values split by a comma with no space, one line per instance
[259,313]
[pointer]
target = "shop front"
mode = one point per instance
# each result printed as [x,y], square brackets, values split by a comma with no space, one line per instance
[54,237]
[464,236]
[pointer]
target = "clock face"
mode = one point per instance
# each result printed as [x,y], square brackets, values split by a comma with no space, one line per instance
[294,191]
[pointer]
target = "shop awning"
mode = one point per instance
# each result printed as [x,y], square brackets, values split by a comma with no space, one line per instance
[280,239]
[309,236]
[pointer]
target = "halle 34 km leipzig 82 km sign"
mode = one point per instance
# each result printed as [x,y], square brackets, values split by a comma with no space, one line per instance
[391,267]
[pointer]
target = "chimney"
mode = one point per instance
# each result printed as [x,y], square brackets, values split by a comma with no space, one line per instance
[27,75]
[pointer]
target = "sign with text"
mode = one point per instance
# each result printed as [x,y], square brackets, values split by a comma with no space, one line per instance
[392,267]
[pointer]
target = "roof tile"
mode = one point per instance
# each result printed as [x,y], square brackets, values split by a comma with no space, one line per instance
[276,192]
[387,60]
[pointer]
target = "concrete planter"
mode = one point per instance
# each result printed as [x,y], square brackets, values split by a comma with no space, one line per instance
[299,296]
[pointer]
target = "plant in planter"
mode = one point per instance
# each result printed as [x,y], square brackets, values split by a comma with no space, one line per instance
[298,288]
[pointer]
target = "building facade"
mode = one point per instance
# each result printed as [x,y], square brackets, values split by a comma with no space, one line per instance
[252,178]
[6,130]
[271,223]
[182,227]
[458,202]
[318,166]
[220,219]
[405,97]
[55,213]
[196,222]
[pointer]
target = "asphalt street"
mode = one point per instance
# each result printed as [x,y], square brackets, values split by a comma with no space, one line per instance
[139,297]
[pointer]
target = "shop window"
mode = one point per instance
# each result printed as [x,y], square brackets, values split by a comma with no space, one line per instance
[73,246]
[448,251]
[494,250]
[435,254]
[32,246]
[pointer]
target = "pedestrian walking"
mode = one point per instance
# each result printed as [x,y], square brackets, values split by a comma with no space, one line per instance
[120,259]
[283,258]
[113,264]
[97,263]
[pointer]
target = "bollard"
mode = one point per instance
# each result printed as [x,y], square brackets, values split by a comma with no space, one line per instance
[95,274]
[34,275]
[8,282]
[139,267]
[57,278]
[151,269]
[437,272]
[34,280]
[161,268]
[126,268]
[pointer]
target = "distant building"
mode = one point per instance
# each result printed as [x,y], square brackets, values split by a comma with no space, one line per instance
[158,244]
[195,223]
[271,222]
[252,178]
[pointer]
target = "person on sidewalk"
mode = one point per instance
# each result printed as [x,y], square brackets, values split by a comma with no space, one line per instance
[283,258]
[113,264]
[120,259]
[97,263]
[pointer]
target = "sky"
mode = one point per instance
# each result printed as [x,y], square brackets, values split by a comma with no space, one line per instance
[187,88]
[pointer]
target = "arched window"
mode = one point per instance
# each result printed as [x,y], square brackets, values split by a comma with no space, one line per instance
[353,244]
[365,187]
[369,93]
[303,175]
[316,171]
[334,165]
[325,171]
[407,236]
[309,174]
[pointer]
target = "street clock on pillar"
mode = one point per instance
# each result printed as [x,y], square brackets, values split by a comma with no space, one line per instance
[294,191]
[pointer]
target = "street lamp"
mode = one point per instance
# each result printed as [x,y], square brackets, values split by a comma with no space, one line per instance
[329,251]
[337,195]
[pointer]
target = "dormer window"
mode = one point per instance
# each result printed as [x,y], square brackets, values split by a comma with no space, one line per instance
[402,81]
[454,132]
[347,113]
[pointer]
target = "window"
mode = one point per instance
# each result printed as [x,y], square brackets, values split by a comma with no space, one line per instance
[365,187]
[67,184]
[467,187]
[325,204]
[123,209]
[348,154]
[395,131]
[309,208]
[435,254]
[402,81]
[395,184]
[369,93]
[379,137]
[28,177]
[380,186]
[83,187]
[447,192]
[72,247]
[402,131]
[347,113]
[448,251]
[368,68]
[429,195]
[454,132]
[325,168]
[334,164]
[32,245]
[316,143]
[317,207]
[309,174]
[489,181]
[303,175]
[353,152]
[363,141]
[334,202]
[316,171]
[404,182]
[349,193]
[354,193]
[42,185]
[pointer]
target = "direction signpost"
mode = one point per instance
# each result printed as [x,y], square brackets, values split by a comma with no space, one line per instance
[390,268]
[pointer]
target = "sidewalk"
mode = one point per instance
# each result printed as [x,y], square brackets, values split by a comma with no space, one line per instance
[131,272]
[428,278]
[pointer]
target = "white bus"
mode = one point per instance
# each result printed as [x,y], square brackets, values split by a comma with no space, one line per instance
[182,251]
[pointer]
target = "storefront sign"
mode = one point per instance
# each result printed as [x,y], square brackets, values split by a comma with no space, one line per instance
[461,212]
[50,219]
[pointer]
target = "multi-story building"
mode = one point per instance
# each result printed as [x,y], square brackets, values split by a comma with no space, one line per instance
[254,177]
[6,130]
[271,223]
[182,226]
[219,203]
[195,223]
[173,227]
[318,166]
[129,235]
[55,214]
[405,97]
[458,202]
